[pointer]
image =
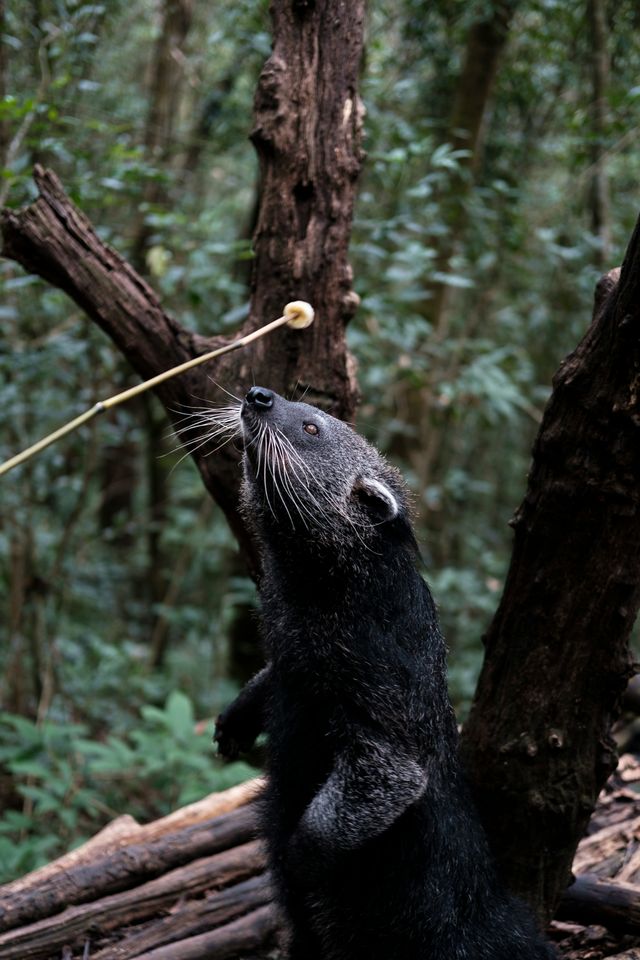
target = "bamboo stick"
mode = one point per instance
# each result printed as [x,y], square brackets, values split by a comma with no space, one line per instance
[297,314]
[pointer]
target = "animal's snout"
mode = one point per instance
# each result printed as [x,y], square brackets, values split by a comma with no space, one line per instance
[260,398]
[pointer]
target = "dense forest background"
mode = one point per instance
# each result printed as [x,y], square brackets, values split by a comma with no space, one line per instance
[476,248]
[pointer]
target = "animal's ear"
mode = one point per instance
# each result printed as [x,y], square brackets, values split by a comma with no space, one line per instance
[377,497]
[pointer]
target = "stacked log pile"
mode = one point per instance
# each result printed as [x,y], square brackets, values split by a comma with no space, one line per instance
[189,885]
[192,886]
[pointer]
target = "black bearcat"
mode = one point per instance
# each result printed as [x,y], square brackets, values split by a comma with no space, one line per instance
[374,843]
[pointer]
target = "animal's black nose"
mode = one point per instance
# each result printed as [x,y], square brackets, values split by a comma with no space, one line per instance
[260,397]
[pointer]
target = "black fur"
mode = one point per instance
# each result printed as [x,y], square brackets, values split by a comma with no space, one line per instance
[373,839]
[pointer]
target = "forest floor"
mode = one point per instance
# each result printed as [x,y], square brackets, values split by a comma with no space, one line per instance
[193,886]
[610,851]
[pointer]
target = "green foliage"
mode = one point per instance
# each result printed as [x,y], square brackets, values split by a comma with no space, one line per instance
[69,785]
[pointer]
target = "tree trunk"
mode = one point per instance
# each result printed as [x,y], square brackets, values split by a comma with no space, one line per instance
[164,102]
[5,132]
[485,44]
[307,135]
[205,123]
[608,903]
[537,744]
[166,79]
[426,448]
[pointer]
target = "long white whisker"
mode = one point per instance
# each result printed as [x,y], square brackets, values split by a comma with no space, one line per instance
[191,448]
[278,472]
[216,421]
[264,439]
[297,503]
[300,507]
[224,389]
[199,424]
[288,479]
[296,460]
[338,507]
[291,457]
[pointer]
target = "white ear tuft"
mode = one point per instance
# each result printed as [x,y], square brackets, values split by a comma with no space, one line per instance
[378,495]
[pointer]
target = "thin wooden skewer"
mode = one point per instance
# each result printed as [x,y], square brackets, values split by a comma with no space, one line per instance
[297,314]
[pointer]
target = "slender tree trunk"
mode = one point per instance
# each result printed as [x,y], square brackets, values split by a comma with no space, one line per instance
[485,45]
[205,123]
[15,696]
[118,480]
[120,464]
[158,563]
[600,205]
[537,744]
[166,76]
[164,94]
[471,102]
[5,132]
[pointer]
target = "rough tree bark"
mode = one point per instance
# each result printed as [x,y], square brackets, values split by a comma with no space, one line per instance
[308,137]
[537,744]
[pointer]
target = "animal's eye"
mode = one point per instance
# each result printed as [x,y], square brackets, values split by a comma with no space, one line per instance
[312,429]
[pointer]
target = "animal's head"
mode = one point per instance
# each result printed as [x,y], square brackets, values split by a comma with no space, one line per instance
[305,472]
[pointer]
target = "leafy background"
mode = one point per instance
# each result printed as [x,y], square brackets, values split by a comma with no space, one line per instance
[120,583]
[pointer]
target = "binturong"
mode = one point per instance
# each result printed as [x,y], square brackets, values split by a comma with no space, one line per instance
[374,844]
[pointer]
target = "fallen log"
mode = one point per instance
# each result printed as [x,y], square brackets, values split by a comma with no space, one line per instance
[194,919]
[610,903]
[126,867]
[229,942]
[125,829]
[631,868]
[43,939]
[603,844]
